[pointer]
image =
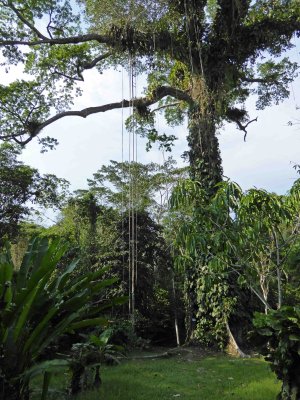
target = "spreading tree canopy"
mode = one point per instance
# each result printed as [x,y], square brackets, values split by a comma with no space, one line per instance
[202,58]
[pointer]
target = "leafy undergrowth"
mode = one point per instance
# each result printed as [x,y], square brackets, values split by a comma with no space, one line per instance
[212,378]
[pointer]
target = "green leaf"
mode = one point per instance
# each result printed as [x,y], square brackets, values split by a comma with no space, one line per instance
[63,278]
[294,337]
[88,322]
[55,365]
[35,336]
[28,301]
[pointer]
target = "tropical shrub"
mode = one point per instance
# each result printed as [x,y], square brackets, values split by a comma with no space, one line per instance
[282,330]
[86,358]
[39,303]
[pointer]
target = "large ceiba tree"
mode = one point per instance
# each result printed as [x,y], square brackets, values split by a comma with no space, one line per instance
[202,57]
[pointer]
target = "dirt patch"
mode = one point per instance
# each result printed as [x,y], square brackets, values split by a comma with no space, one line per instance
[188,354]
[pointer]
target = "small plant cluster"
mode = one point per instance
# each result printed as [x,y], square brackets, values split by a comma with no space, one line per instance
[86,358]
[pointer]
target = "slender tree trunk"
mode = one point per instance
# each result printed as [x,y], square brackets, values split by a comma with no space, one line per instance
[188,295]
[46,384]
[278,271]
[279,278]
[261,298]
[264,285]
[175,311]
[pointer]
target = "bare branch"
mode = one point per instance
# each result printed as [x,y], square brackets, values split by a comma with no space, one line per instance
[253,80]
[244,127]
[238,120]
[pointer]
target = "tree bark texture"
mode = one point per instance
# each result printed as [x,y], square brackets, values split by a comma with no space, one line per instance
[233,348]
[204,154]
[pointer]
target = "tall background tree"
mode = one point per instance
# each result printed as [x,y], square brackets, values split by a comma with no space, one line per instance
[103,225]
[23,187]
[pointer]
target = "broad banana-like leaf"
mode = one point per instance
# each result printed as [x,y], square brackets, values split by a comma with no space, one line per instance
[56,332]
[6,273]
[26,308]
[95,288]
[88,322]
[25,301]
[35,336]
[25,265]
[46,366]
[60,283]
[82,282]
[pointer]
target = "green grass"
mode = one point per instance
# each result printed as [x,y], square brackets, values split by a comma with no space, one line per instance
[212,378]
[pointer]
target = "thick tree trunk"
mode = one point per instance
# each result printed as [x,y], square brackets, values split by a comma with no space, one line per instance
[232,347]
[205,168]
[204,153]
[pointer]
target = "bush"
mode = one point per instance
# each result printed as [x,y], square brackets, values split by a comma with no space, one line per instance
[281,329]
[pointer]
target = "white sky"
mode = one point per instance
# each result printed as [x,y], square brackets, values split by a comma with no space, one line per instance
[263,161]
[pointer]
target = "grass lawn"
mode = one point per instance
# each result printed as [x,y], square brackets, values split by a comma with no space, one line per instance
[210,378]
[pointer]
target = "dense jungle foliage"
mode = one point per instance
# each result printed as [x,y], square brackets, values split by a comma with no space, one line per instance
[248,265]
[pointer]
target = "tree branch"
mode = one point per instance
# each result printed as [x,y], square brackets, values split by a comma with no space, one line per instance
[126,39]
[244,127]
[260,80]
[24,20]
[72,78]
[82,67]
[156,95]
[267,32]
[176,103]
[253,80]
[237,116]
[93,63]
[52,41]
